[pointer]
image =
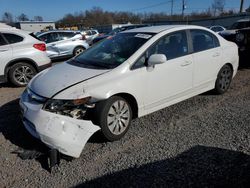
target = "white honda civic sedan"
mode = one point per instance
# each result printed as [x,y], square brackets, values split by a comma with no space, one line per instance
[126,76]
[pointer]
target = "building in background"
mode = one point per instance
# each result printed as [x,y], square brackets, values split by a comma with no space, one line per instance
[36,26]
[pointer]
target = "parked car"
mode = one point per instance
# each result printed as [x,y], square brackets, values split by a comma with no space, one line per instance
[242,39]
[230,34]
[117,30]
[217,28]
[130,75]
[90,35]
[22,56]
[62,43]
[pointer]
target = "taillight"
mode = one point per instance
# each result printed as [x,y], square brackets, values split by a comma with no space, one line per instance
[41,47]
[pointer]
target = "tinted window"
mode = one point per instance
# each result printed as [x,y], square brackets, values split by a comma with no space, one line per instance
[93,32]
[2,41]
[203,40]
[173,45]
[12,38]
[50,37]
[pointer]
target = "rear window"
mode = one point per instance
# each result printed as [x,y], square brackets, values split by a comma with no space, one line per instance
[2,41]
[12,38]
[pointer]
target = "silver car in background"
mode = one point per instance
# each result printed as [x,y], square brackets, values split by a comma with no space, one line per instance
[63,43]
[90,35]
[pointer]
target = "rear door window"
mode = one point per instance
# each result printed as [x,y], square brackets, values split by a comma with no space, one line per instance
[2,41]
[12,38]
[203,40]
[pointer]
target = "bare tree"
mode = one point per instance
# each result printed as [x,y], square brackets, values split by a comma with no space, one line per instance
[38,18]
[218,7]
[7,18]
[23,17]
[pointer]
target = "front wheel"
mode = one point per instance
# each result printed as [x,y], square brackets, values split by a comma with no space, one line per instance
[224,79]
[114,117]
[78,50]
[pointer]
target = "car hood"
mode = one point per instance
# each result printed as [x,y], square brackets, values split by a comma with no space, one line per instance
[61,76]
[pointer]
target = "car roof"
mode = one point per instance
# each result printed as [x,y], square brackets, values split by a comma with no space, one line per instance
[158,29]
[14,30]
[56,31]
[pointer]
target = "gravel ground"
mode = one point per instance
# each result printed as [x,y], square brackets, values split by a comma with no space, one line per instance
[201,142]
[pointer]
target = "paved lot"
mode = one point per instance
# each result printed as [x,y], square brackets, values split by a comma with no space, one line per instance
[201,142]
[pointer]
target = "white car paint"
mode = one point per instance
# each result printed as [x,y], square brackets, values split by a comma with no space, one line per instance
[21,51]
[153,88]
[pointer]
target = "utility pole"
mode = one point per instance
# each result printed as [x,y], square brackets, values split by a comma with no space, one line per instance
[172,7]
[241,5]
[183,8]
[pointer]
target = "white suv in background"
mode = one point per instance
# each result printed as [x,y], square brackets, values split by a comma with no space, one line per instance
[22,56]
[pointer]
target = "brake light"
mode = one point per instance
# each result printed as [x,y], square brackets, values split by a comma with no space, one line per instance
[41,47]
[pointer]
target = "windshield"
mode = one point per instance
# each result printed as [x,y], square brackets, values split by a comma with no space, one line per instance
[112,51]
[240,25]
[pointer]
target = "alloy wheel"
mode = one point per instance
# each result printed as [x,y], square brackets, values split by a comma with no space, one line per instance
[23,74]
[118,117]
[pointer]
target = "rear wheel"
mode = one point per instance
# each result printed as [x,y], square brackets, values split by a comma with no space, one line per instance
[21,73]
[224,79]
[114,116]
[78,50]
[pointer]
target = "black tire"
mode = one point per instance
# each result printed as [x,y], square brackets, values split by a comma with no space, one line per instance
[223,80]
[21,73]
[78,50]
[102,115]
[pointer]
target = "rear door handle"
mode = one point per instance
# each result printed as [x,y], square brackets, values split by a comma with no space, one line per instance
[216,54]
[186,63]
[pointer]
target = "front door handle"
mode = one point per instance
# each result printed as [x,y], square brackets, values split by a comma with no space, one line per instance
[186,63]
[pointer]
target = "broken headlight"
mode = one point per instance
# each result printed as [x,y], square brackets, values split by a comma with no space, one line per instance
[73,108]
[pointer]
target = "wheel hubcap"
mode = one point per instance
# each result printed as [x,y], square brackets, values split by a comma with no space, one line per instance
[79,51]
[225,79]
[118,117]
[23,75]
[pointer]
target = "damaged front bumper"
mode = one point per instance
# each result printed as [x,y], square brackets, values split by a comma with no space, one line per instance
[66,134]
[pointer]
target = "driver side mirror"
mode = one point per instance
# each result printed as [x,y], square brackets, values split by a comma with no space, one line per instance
[156,59]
